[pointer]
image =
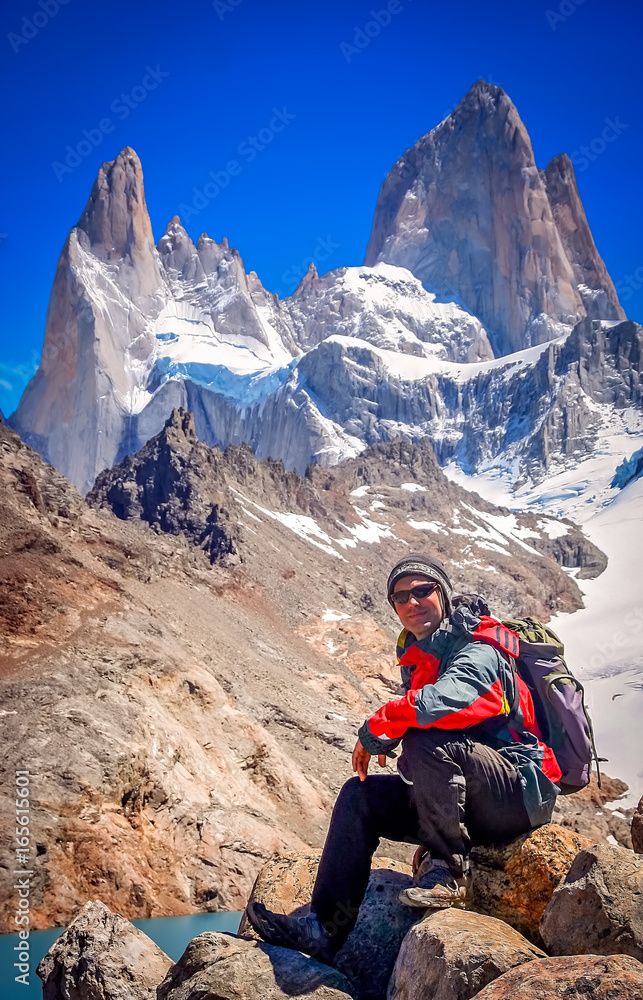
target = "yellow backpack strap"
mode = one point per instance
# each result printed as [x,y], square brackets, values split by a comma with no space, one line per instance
[401,641]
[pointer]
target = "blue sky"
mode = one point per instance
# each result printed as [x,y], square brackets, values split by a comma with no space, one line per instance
[189,84]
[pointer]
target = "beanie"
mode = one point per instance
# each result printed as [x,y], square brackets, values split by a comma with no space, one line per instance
[429,566]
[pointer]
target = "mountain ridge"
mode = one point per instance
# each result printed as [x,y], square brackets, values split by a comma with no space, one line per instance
[354,356]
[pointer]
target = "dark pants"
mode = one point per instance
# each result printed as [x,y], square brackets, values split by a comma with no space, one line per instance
[462,793]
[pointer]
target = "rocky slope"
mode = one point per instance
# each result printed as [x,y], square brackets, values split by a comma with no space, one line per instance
[392,495]
[467,211]
[358,355]
[187,708]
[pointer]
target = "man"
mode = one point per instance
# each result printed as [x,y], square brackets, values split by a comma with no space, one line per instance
[472,768]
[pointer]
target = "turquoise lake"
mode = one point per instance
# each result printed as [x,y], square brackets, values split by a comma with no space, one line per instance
[172,934]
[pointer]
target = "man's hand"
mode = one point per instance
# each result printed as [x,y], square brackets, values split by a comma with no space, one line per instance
[361,760]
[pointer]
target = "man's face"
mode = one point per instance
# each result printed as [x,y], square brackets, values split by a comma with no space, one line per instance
[421,617]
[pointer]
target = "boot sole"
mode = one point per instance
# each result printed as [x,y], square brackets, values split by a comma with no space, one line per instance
[433,904]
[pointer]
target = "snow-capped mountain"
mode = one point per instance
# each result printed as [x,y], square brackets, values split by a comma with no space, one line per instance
[388,308]
[360,354]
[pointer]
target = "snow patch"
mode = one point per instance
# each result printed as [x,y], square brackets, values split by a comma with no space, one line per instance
[553,529]
[433,526]
[329,615]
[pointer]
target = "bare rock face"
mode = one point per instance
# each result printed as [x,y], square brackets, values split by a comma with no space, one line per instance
[609,978]
[102,955]
[164,779]
[165,488]
[115,226]
[515,882]
[467,212]
[594,283]
[637,828]
[598,909]
[225,967]
[453,954]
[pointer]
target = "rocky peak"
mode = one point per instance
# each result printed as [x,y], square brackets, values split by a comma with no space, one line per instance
[466,210]
[115,226]
[179,254]
[594,283]
[220,259]
[180,425]
[310,274]
[115,219]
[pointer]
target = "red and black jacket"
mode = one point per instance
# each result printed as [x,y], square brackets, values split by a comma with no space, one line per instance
[462,677]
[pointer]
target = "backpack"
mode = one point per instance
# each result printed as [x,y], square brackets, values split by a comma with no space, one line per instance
[559,702]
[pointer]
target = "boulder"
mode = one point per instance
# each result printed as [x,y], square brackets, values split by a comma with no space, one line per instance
[514,882]
[589,977]
[369,955]
[285,885]
[637,828]
[453,954]
[226,967]
[102,956]
[598,909]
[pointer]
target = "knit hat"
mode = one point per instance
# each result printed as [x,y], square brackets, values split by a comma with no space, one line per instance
[417,563]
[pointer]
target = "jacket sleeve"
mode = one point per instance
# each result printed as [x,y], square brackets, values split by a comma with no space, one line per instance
[469,691]
[373,744]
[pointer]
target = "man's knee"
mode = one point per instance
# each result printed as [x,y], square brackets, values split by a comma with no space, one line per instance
[353,797]
[370,798]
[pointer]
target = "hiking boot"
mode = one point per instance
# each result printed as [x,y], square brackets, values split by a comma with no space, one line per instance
[305,933]
[436,887]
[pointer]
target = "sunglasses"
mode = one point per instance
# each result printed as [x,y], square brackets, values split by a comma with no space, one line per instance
[424,590]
